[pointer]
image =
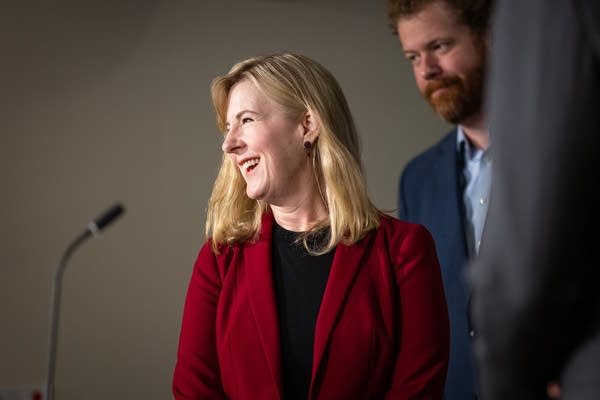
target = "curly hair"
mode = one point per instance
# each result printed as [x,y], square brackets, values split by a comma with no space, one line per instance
[475,14]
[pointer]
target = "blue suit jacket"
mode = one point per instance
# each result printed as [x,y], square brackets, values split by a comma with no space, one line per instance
[429,194]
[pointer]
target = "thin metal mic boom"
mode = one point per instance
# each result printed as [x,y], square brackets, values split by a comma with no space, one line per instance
[93,228]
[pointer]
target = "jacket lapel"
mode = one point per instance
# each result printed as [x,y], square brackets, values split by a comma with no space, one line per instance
[262,299]
[450,217]
[346,264]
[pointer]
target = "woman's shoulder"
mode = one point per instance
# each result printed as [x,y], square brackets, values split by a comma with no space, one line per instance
[398,229]
[215,252]
[405,240]
[390,222]
[215,261]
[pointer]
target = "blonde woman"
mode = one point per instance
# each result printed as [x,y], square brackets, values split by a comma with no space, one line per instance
[304,290]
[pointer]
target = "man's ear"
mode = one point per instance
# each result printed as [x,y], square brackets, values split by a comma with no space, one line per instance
[310,124]
[488,38]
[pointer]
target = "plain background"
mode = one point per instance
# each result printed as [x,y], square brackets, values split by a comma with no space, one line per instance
[105,101]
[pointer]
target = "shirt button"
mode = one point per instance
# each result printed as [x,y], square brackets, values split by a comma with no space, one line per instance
[482,200]
[472,333]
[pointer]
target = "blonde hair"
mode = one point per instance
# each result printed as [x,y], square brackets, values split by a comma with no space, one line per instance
[299,84]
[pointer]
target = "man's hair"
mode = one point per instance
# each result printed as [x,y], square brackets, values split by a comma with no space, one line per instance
[299,84]
[474,14]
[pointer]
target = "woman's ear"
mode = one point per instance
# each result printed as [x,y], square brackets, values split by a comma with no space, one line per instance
[310,125]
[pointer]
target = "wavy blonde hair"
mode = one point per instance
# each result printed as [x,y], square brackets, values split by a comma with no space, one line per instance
[299,84]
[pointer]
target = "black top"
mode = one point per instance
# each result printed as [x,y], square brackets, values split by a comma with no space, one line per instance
[300,280]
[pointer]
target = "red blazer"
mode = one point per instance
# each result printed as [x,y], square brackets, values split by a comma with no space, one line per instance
[381,332]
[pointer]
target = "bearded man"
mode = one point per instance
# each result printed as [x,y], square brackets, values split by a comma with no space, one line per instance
[446,188]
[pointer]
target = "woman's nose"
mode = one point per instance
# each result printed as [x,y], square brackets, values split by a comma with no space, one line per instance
[232,141]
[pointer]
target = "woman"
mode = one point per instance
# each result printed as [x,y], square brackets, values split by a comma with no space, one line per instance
[304,290]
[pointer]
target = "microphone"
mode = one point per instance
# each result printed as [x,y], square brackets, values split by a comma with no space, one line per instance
[105,219]
[93,229]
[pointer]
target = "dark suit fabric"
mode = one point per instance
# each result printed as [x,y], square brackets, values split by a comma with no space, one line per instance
[429,194]
[536,301]
[381,331]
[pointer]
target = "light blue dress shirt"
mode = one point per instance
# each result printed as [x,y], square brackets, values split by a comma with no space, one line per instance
[478,175]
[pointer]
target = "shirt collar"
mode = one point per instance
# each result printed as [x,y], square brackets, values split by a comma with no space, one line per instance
[471,153]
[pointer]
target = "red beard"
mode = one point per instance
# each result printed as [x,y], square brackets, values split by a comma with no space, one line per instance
[460,99]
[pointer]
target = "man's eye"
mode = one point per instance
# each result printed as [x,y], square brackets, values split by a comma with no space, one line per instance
[442,46]
[411,57]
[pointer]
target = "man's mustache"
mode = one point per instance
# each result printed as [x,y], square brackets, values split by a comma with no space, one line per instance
[439,84]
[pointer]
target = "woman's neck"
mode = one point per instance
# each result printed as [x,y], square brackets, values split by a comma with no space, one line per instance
[301,217]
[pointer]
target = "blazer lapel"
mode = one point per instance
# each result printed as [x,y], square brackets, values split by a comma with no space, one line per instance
[262,299]
[450,213]
[346,264]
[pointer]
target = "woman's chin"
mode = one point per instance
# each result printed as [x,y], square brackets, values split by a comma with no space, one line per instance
[255,195]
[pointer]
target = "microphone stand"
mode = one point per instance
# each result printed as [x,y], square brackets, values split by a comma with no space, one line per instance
[93,228]
[56,292]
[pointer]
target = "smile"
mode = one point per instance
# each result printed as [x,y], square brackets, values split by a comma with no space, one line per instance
[249,165]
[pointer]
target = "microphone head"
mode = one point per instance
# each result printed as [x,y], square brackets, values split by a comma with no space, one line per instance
[106,218]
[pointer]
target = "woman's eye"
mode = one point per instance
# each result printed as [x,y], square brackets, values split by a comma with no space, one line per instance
[246,119]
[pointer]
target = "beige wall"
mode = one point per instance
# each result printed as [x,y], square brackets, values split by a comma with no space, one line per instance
[108,100]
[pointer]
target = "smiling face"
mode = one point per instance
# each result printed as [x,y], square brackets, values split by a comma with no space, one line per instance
[448,61]
[266,144]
